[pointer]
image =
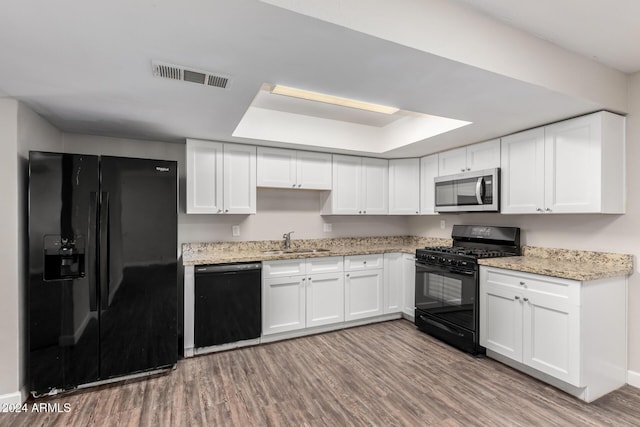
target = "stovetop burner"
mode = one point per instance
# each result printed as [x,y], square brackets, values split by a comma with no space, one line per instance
[472,242]
[471,252]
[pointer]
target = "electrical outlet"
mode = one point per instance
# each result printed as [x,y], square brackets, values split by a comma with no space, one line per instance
[442,224]
[235,230]
[327,228]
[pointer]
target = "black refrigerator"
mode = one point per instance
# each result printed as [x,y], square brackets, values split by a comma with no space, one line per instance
[102,293]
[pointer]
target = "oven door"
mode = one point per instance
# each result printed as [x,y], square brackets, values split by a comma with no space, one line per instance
[447,293]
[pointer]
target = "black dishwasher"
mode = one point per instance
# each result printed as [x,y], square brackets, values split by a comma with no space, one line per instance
[228,303]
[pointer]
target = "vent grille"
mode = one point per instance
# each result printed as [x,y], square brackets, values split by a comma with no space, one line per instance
[177,72]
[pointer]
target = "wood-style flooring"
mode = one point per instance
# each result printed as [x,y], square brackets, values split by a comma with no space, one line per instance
[386,374]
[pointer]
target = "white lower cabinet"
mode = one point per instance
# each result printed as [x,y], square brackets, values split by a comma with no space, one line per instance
[298,294]
[283,304]
[409,285]
[363,286]
[393,283]
[569,333]
[325,299]
[399,284]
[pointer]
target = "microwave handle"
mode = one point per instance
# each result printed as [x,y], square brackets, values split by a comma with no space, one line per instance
[479,189]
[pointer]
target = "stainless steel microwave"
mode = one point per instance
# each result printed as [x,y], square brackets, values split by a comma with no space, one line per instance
[475,191]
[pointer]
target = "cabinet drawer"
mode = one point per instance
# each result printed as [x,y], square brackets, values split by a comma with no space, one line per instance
[551,286]
[283,268]
[331,264]
[363,262]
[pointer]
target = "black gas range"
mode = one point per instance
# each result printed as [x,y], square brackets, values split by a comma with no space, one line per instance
[447,282]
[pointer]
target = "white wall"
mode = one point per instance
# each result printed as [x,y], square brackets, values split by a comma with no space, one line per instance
[612,233]
[10,274]
[21,130]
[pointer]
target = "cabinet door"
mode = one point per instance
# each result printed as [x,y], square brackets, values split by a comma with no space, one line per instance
[239,179]
[409,281]
[375,186]
[347,185]
[522,174]
[276,168]
[314,170]
[393,283]
[204,176]
[404,186]
[572,165]
[364,294]
[551,334]
[484,155]
[453,161]
[428,171]
[325,299]
[283,304]
[501,319]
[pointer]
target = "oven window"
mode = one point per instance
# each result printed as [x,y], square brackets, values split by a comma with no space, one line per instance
[445,290]
[447,294]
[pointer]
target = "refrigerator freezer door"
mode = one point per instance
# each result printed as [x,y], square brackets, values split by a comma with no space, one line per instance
[138,326]
[61,297]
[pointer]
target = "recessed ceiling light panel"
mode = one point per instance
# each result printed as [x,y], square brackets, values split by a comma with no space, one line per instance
[334,100]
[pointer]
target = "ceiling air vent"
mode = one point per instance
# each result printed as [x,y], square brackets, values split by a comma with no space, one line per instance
[177,72]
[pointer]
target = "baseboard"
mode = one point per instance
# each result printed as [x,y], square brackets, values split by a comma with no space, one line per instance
[633,378]
[10,399]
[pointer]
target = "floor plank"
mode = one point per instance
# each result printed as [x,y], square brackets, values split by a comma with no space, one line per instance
[386,374]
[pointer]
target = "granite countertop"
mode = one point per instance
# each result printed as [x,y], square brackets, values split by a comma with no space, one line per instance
[566,263]
[229,252]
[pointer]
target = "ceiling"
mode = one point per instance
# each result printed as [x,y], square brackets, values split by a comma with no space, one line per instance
[86,67]
[605,30]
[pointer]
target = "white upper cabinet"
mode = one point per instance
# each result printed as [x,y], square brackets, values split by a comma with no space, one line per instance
[483,155]
[428,171]
[239,185]
[404,186]
[276,168]
[522,173]
[574,166]
[221,178]
[360,187]
[282,168]
[204,177]
[314,170]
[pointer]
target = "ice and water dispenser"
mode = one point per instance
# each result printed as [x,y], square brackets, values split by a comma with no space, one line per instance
[63,257]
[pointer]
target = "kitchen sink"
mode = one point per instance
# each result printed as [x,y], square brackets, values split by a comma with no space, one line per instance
[295,251]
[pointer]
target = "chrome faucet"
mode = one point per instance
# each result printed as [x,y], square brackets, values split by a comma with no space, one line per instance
[287,239]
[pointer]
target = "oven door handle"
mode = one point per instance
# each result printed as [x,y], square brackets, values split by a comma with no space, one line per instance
[425,268]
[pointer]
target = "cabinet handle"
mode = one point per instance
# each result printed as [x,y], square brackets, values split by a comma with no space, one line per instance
[522,283]
[462,170]
[219,210]
[304,278]
[299,185]
[347,274]
[468,169]
[364,212]
[548,210]
[359,212]
[525,299]
[539,210]
[517,297]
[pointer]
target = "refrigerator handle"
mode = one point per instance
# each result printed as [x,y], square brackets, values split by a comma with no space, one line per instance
[103,268]
[93,250]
